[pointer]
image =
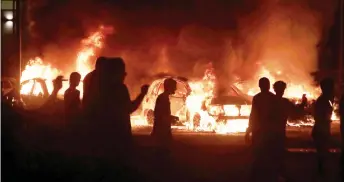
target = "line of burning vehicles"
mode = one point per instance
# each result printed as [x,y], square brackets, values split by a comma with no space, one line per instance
[232,105]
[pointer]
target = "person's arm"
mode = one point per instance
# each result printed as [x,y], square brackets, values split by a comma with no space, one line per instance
[252,117]
[78,98]
[134,105]
[65,99]
[86,85]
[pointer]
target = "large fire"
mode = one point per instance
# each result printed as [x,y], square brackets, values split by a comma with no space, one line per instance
[202,91]
[36,68]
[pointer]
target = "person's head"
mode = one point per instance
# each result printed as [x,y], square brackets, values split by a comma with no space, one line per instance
[116,68]
[327,87]
[57,83]
[74,79]
[170,86]
[100,62]
[264,84]
[279,88]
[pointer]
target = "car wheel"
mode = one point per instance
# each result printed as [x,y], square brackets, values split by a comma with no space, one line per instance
[150,117]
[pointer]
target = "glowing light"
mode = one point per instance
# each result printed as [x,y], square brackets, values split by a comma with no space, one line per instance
[8,15]
[8,26]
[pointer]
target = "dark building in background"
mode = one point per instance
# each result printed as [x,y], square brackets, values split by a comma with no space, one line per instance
[10,38]
[329,51]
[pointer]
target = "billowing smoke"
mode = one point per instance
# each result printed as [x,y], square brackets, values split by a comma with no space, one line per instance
[281,37]
[238,37]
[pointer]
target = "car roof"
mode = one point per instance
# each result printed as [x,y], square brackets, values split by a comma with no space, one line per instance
[230,100]
[165,76]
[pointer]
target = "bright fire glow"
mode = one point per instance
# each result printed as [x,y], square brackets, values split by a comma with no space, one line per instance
[36,68]
[197,103]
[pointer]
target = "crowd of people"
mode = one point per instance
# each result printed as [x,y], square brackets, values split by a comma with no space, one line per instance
[106,107]
[267,124]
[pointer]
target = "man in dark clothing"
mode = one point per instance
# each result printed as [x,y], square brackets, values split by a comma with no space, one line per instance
[162,115]
[90,86]
[261,123]
[115,108]
[161,132]
[285,109]
[112,110]
[72,101]
[321,132]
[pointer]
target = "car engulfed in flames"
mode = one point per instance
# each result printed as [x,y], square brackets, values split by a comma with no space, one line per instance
[230,107]
[177,100]
[200,111]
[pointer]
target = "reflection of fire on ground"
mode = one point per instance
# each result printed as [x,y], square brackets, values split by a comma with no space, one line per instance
[202,91]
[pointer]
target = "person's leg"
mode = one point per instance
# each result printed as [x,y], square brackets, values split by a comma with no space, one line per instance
[322,153]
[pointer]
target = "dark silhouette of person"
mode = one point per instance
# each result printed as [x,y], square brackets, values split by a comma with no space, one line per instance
[90,87]
[161,132]
[162,116]
[321,132]
[110,127]
[72,103]
[261,125]
[51,104]
[285,109]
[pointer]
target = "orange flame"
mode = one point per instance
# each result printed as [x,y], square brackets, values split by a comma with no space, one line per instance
[37,69]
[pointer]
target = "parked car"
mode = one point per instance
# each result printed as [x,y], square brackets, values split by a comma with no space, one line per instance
[10,92]
[178,105]
[233,105]
[7,85]
[37,92]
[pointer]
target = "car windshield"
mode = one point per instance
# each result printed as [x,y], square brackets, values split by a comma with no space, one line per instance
[181,90]
[232,92]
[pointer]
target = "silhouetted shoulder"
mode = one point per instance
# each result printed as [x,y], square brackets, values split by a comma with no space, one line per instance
[67,92]
[163,98]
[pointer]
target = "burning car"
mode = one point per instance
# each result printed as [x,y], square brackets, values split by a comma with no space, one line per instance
[233,105]
[178,107]
[34,92]
[7,85]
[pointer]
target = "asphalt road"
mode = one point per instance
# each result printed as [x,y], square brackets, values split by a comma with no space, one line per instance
[298,138]
[195,156]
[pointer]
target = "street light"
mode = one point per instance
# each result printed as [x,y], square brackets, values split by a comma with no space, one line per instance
[8,15]
[8,26]
[340,71]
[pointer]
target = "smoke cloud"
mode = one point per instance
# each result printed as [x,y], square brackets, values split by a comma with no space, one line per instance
[238,37]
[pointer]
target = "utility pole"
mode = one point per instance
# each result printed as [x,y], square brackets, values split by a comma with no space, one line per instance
[340,51]
[18,5]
